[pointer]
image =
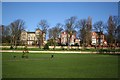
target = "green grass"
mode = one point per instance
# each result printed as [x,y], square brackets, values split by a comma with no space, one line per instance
[61,66]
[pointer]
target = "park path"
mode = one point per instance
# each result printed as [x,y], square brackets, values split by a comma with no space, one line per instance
[83,52]
[46,51]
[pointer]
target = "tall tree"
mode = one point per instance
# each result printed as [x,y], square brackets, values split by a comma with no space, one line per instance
[59,28]
[116,20]
[88,30]
[16,28]
[5,34]
[1,29]
[118,36]
[50,31]
[54,33]
[84,28]
[113,29]
[81,25]
[43,25]
[70,26]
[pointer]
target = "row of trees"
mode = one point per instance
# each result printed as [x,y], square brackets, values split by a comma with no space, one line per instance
[11,33]
[83,27]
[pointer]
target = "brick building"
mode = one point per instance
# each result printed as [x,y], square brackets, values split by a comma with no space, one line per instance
[73,38]
[98,38]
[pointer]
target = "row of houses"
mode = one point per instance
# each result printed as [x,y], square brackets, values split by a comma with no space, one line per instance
[30,38]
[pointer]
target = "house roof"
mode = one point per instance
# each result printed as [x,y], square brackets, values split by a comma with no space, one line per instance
[99,33]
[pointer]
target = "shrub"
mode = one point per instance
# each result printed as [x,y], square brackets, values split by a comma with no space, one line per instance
[11,47]
[46,47]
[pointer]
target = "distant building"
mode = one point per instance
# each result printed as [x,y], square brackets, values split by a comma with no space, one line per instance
[77,41]
[63,37]
[98,38]
[73,39]
[31,38]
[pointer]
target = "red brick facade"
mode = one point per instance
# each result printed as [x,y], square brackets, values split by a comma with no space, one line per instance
[64,35]
[96,36]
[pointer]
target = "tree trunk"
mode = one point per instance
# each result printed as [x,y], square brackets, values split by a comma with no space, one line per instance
[68,42]
[15,44]
[54,44]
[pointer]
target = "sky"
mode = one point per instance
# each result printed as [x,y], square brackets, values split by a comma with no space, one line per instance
[56,12]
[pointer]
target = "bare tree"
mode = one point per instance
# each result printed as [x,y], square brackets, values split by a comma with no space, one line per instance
[1,29]
[5,34]
[50,31]
[54,33]
[81,25]
[113,29]
[116,20]
[118,36]
[88,30]
[70,26]
[110,30]
[59,28]
[84,28]
[98,26]
[43,24]
[15,28]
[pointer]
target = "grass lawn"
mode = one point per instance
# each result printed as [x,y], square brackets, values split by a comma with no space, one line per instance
[61,66]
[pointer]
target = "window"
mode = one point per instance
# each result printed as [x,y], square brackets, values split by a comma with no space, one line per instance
[28,38]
